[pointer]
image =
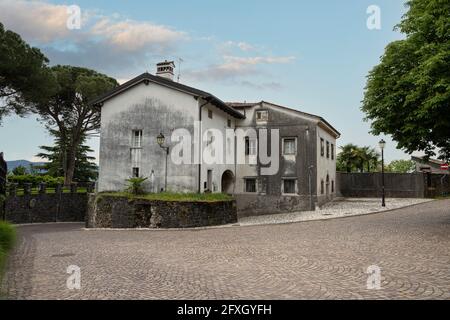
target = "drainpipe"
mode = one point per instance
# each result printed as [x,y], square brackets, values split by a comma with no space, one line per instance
[200,146]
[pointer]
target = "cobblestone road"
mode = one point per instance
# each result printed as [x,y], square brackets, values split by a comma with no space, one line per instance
[318,259]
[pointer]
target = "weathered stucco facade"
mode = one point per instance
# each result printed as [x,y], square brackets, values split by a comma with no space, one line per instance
[134,114]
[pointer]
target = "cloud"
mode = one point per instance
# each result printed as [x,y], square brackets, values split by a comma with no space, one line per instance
[233,67]
[105,43]
[39,21]
[133,36]
[243,46]
[262,86]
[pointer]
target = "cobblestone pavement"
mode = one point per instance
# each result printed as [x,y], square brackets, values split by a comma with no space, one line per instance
[340,207]
[308,260]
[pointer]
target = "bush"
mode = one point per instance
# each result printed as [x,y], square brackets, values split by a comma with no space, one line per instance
[135,185]
[35,180]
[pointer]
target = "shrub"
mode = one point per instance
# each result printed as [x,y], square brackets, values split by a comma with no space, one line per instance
[135,185]
[21,180]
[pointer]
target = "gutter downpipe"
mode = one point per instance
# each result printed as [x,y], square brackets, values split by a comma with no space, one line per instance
[200,145]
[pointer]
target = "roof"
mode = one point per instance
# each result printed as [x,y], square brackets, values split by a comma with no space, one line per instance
[422,160]
[171,84]
[240,105]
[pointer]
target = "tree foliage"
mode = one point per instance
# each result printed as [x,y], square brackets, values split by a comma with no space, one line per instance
[401,166]
[85,168]
[69,112]
[353,158]
[408,93]
[25,78]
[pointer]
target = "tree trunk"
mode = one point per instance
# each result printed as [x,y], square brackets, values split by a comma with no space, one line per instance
[70,166]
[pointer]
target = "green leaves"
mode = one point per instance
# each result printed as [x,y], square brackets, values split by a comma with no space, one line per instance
[24,75]
[408,93]
[136,185]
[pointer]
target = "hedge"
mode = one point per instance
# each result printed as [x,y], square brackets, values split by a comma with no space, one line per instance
[35,180]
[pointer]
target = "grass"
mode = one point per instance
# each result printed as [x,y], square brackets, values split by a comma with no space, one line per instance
[7,239]
[171,196]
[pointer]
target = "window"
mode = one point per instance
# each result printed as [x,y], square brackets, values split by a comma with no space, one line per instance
[322,147]
[250,146]
[210,114]
[262,115]
[289,146]
[137,139]
[250,185]
[135,172]
[229,123]
[328,150]
[289,186]
[332,151]
[332,186]
[322,187]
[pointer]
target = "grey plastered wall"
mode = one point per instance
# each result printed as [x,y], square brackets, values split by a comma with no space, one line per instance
[152,109]
[269,198]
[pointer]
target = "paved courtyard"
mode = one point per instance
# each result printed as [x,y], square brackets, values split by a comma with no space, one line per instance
[316,259]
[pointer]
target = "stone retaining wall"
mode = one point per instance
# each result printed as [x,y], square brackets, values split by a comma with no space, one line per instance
[42,208]
[119,212]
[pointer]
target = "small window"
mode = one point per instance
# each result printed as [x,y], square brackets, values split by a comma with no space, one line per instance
[135,172]
[137,139]
[262,115]
[210,114]
[229,123]
[289,146]
[328,150]
[322,147]
[332,151]
[322,187]
[250,146]
[250,185]
[332,186]
[289,186]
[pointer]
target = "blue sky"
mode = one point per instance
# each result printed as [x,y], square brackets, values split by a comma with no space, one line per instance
[310,55]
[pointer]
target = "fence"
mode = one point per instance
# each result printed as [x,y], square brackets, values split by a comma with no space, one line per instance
[397,185]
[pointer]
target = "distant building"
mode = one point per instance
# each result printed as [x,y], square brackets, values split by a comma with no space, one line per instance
[429,166]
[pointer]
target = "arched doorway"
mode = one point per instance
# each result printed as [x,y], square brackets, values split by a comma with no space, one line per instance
[228,182]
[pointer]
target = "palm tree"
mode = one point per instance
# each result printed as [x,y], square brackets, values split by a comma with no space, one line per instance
[348,158]
[370,157]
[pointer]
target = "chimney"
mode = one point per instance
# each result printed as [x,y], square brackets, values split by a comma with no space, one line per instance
[165,69]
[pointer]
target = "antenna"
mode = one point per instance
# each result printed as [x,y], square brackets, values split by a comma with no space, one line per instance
[179,68]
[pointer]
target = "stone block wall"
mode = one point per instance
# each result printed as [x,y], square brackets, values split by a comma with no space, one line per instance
[259,204]
[120,212]
[43,208]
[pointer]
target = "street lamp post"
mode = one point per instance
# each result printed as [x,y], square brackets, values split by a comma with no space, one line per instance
[160,140]
[382,144]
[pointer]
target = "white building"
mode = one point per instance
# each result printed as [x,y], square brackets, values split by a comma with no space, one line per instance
[135,113]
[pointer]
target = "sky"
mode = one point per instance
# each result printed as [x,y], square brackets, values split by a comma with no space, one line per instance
[313,56]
